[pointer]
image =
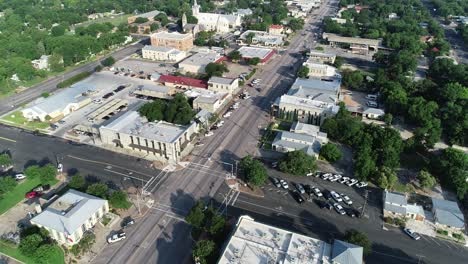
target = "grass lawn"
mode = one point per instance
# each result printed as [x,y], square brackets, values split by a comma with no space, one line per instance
[17,118]
[116,20]
[10,199]
[57,256]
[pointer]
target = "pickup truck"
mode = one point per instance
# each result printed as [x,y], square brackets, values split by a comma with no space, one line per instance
[42,188]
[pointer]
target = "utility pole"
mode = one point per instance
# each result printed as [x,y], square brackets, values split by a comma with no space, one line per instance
[366,195]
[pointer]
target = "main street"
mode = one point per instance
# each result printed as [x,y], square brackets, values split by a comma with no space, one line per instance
[50,85]
[162,236]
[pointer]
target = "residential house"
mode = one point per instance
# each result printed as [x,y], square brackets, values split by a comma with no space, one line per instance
[396,205]
[70,216]
[447,215]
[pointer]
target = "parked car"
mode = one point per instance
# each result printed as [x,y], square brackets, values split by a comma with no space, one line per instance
[300,188]
[61,122]
[317,192]
[60,167]
[284,184]
[276,182]
[336,196]
[308,189]
[339,209]
[352,182]
[346,199]
[412,234]
[42,188]
[116,237]
[297,196]
[320,203]
[361,184]
[326,195]
[350,212]
[227,114]
[274,164]
[32,194]
[20,176]
[343,180]
[128,221]
[209,134]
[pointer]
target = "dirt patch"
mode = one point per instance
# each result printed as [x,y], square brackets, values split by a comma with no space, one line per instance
[243,187]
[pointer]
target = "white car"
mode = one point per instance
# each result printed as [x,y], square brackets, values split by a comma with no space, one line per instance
[361,184]
[346,199]
[336,196]
[343,180]
[220,123]
[317,192]
[227,114]
[97,101]
[284,184]
[60,167]
[20,176]
[116,237]
[333,178]
[209,134]
[412,234]
[351,182]
[339,209]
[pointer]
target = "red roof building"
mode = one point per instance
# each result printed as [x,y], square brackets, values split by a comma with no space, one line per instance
[275,29]
[186,82]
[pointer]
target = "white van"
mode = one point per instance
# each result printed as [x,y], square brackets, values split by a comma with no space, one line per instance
[371,97]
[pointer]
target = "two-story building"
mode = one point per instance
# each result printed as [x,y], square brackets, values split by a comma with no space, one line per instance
[162,53]
[223,85]
[172,40]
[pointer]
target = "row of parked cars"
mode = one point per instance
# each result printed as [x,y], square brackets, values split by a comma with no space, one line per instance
[333,199]
[339,178]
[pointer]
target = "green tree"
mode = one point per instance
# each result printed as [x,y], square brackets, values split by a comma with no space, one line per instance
[5,160]
[97,189]
[452,166]
[43,253]
[234,55]
[254,171]
[77,182]
[107,62]
[48,173]
[303,72]
[353,80]
[202,250]
[140,20]
[358,238]
[253,61]
[7,184]
[249,37]
[119,199]
[215,69]
[56,62]
[338,62]
[330,152]
[58,30]
[196,216]
[296,24]
[29,244]
[45,94]
[386,178]
[426,179]
[297,163]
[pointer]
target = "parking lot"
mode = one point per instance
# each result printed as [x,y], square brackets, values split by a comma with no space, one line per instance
[148,67]
[108,100]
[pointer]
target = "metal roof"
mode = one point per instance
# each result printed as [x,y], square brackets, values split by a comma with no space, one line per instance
[157,48]
[69,212]
[346,253]
[221,80]
[448,213]
[361,41]
[395,198]
[313,86]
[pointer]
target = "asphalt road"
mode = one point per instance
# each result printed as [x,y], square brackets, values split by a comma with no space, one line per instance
[7,104]
[162,236]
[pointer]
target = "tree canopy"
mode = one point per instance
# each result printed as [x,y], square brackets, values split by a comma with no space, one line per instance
[254,171]
[359,238]
[303,72]
[177,110]
[330,152]
[298,163]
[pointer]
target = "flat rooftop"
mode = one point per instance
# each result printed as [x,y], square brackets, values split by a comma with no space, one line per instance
[254,242]
[132,123]
[252,52]
[156,48]
[170,35]
[202,58]
[350,40]
[221,80]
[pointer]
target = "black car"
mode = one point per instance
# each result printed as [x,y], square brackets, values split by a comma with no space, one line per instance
[320,203]
[308,189]
[119,88]
[297,196]
[326,194]
[107,95]
[128,221]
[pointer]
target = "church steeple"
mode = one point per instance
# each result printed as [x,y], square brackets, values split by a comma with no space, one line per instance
[195,8]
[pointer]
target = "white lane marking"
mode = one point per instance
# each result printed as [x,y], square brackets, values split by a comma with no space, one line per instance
[126,175]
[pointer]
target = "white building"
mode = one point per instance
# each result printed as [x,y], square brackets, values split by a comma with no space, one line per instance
[68,217]
[264,54]
[58,105]
[162,53]
[223,85]
[42,63]
[320,70]
[309,101]
[321,57]
[162,141]
[255,242]
[198,62]
[211,102]
[305,137]
[243,12]
[215,22]
[261,38]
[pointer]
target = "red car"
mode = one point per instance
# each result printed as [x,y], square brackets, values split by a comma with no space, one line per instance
[32,194]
